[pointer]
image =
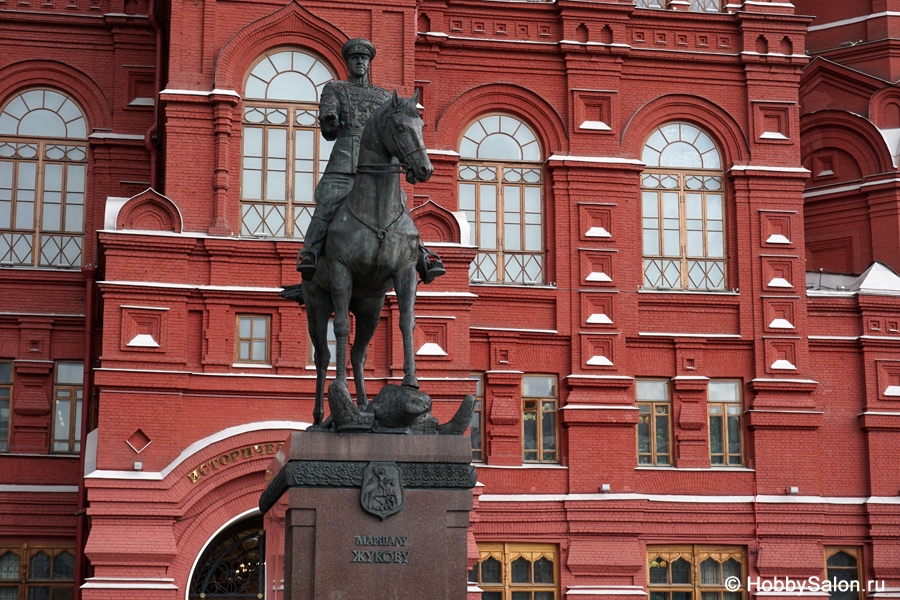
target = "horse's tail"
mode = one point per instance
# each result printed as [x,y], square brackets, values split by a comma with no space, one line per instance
[293,292]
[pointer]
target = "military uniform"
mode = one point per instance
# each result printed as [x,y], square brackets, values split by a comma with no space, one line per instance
[344,109]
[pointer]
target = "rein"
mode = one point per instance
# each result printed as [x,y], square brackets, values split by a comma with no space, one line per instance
[382,169]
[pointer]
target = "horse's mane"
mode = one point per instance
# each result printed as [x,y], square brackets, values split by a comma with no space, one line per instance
[407,107]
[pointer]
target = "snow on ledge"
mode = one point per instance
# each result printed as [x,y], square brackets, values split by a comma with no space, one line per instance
[780,324]
[784,365]
[599,361]
[143,340]
[431,349]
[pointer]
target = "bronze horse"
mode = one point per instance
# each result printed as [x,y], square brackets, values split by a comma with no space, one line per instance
[372,246]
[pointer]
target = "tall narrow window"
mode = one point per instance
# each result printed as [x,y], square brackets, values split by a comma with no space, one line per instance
[725,429]
[539,403]
[67,390]
[283,155]
[43,177]
[683,210]
[5,401]
[517,572]
[501,194]
[252,339]
[650,3]
[842,568]
[694,573]
[654,422]
[476,430]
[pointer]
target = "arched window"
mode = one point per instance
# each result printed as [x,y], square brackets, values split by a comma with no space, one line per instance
[683,210]
[501,193]
[43,176]
[283,154]
[233,564]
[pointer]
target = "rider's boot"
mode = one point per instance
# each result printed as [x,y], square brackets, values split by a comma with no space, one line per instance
[429,265]
[307,264]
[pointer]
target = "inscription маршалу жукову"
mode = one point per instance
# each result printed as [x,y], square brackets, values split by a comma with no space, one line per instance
[381,556]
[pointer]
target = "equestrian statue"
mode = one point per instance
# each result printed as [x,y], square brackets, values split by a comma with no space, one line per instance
[361,244]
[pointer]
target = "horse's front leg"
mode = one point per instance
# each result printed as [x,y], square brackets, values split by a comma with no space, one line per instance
[367,312]
[318,311]
[341,288]
[405,282]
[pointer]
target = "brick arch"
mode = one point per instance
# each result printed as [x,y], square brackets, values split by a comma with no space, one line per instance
[291,25]
[884,100]
[724,129]
[52,74]
[514,100]
[435,223]
[849,132]
[149,211]
[227,493]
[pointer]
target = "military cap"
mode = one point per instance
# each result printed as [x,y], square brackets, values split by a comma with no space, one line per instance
[358,46]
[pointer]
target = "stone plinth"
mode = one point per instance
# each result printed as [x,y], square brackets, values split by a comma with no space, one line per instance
[409,544]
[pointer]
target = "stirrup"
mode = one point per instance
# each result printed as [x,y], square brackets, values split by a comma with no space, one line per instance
[307,264]
[434,268]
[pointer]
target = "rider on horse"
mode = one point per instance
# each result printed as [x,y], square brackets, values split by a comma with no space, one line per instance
[344,109]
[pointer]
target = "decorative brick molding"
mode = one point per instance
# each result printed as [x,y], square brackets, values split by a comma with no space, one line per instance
[291,25]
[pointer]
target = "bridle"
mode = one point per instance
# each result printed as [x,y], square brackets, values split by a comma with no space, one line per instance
[399,167]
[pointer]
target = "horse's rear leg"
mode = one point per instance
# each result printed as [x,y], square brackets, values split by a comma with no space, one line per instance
[368,312]
[405,286]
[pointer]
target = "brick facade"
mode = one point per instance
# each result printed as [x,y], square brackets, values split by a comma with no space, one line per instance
[806,126]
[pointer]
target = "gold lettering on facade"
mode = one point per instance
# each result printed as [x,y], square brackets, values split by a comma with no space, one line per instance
[231,457]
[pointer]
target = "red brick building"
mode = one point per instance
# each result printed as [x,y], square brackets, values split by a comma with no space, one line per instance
[671,235]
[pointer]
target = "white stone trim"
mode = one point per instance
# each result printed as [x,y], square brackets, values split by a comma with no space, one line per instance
[195,448]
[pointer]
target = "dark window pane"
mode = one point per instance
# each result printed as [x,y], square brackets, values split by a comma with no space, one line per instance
[709,596]
[490,570]
[520,571]
[543,596]
[64,566]
[659,571]
[682,596]
[681,571]
[709,572]
[659,595]
[662,434]
[473,574]
[643,434]
[731,568]
[521,596]
[529,431]
[715,435]
[491,595]
[40,566]
[734,435]
[548,430]
[543,571]
[841,559]
[61,593]
[5,372]
[38,593]
[9,566]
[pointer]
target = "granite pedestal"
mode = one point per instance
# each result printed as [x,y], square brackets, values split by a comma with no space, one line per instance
[374,517]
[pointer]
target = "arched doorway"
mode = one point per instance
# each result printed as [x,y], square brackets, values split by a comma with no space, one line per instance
[233,564]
